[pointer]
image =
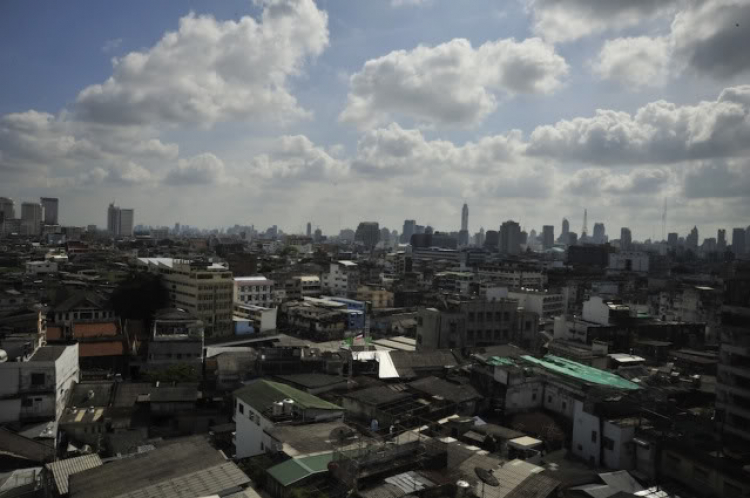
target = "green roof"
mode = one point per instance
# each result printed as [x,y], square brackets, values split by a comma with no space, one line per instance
[296,469]
[503,361]
[261,394]
[582,372]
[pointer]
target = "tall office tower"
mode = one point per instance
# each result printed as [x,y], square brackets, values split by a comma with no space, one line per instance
[479,238]
[738,241]
[626,239]
[50,205]
[732,385]
[113,220]
[32,215]
[565,231]
[510,237]
[368,233]
[385,236]
[692,240]
[309,229]
[673,239]
[492,239]
[408,230]
[7,209]
[600,236]
[465,217]
[127,217]
[721,240]
[318,235]
[548,236]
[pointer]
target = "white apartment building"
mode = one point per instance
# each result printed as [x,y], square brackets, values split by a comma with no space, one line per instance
[36,386]
[250,318]
[257,291]
[512,277]
[32,215]
[40,267]
[342,279]
[545,304]
[628,261]
[205,290]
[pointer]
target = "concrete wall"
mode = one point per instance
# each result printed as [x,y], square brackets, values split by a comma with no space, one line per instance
[523,397]
[596,310]
[584,444]
[622,456]
[700,478]
[249,435]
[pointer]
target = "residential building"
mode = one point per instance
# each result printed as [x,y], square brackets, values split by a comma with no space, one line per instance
[176,339]
[492,239]
[306,286]
[35,383]
[81,306]
[548,236]
[342,279]
[627,261]
[50,206]
[543,303]
[120,221]
[691,241]
[35,268]
[368,234]
[512,277]
[738,241]
[249,318]
[256,290]
[377,296]
[7,209]
[32,216]
[263,405]
[510,238]
[408,230]
[626,239]
[203,289]
[721,240]
[600,236]
[565,231]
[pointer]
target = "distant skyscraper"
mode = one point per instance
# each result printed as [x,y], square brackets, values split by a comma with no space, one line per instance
[465,217]
[429,229]
[120,222]
[113,220]
[309,229]
[738,241]
[318,235]
[626,239]
[600,236]
[32,215]
[127,218]
[7,209]
[721,240]
[565,231]
[673,239]
[408,230]
[692,240]
[50,205]
[548,236]
[368,233]
[492,239]
[510,237]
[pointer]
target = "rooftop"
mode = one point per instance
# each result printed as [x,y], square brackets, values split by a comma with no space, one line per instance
[48,353]
[261,394]
[296,469]
[581,372]
[449,391]
[312,380]
[306,439]
[62,469]
[378,395]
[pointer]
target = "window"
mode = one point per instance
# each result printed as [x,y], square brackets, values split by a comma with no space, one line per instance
[608,443]
[242,408]
[593,436]
[37,379]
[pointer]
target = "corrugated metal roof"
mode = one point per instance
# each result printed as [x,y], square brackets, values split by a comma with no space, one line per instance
[63,469]
[582,372]
[261,394]
[204,482]
[296,469]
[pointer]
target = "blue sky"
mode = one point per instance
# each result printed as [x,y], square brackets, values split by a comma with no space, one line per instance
[337,111]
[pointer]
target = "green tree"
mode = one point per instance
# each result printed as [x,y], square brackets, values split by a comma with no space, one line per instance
[138,297]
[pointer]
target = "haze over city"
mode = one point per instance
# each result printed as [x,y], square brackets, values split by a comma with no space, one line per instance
[280,112]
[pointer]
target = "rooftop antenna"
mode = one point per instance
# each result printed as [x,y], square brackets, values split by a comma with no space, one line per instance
[585,229]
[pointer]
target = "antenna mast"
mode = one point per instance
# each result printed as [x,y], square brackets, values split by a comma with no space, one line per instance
[585,229]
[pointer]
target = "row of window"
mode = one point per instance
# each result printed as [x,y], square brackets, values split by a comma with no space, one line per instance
[497,334]
[487,316]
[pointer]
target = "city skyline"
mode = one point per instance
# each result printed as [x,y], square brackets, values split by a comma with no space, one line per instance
[613,118]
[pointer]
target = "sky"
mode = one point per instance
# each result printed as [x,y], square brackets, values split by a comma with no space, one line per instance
[339,111]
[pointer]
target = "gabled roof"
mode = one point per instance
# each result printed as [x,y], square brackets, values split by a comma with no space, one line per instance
[455,393]
[297,469]
[262,394]
[581,372]
[63,469]
[80,299]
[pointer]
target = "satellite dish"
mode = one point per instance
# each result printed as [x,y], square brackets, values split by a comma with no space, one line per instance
[486,477]
[341,435]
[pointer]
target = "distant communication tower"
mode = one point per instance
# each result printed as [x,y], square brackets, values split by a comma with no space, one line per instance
[664,221]
[585,229]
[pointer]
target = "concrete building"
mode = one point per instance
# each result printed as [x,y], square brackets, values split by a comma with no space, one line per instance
[627,261]
[7,209]
[626,239]
[600,235]
[512,277]
[408,230]
[306,286]
[34,385]
[368,234]
[127,221]
[543,303]
[492,239]
[342,279]
[378,297]
[256,290]
[41,267]
[721,240]
[50,206]
[120,222]
[565,231]
[510,237]
[203,289]
[474,324]
[250,319]
[733,375]
[262,406]
[176,339]
[691,241]
[738,241]
[548,236]
[32,216]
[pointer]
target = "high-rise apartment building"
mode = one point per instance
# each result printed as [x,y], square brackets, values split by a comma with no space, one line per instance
[309,229]
[50,205]
[565,231]
[408,230]
[626,239]
[600,234]
[465,217]
[120,221]
[492,239]
[673,239]
[7,209]
[368,233]
[721,240]
[32,216]
[738,241]
[692,239]
[548,236]
[203,289]
[510,237]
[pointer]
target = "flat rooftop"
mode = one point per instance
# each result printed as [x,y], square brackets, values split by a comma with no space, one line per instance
[48,353]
